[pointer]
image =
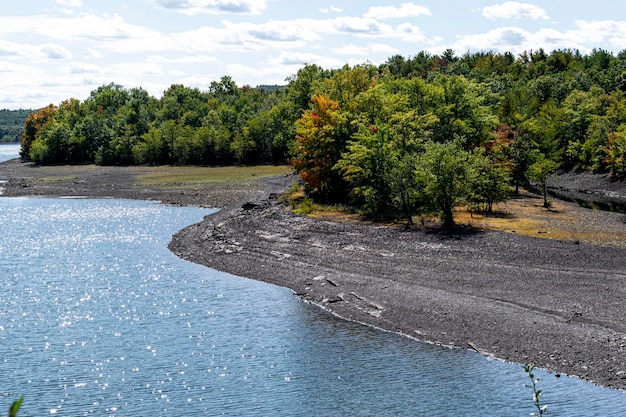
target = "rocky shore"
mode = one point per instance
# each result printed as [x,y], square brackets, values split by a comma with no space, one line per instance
[555,303]
[558,304]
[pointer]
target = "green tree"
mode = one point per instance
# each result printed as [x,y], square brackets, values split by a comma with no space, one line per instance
[155,146]
[52,144]
[182,145]
[305,85]
[368,165]
[183,105]
[347,83]
[540,171]
[519,152]
[91,137]
[266,136]
[225,88]
[107,100]
[443,171]
[397,65]
[489,181]
[462,112]
[405,187]
[616,152]
[217,137]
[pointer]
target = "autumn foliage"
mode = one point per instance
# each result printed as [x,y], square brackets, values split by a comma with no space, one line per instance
[322,135]
[34,123]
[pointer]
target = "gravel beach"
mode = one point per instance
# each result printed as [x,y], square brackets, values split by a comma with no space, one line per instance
[558,304]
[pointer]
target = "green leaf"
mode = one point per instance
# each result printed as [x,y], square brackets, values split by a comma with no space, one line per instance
[15,407]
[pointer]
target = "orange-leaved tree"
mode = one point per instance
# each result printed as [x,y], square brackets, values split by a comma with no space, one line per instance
[322,135]
[33,125]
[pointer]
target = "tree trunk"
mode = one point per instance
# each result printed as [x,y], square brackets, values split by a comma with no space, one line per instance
[448,217]
[544,190]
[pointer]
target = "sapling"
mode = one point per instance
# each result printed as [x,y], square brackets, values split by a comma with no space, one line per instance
[542,409]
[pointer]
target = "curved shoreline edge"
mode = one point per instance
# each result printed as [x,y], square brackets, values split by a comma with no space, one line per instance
[551,303]
[556,304]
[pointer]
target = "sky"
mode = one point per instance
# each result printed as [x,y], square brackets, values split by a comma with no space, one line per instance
[52,50]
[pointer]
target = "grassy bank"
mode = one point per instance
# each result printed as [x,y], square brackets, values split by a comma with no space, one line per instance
[195,177]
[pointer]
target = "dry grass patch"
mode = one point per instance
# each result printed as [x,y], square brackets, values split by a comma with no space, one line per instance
[526,215]
[523,215]
[191,176]
[57,179]
[62,173]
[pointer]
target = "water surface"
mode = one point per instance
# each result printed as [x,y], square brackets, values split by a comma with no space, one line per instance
[9,151]
[98,318]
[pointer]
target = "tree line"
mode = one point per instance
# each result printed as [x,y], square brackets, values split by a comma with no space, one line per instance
[119,126]
[413,134]
[12,124]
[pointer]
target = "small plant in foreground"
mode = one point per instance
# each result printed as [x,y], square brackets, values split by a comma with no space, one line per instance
[542,409]
[15,407]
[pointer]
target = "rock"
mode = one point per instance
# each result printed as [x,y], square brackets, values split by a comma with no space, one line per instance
[250,205]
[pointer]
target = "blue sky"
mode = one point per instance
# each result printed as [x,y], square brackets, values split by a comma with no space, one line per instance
[51,50]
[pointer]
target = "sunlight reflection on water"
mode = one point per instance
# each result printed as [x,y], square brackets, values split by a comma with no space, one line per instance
[97,317]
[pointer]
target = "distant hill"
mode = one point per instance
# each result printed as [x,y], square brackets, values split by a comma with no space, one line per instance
[270,88]
[12,124]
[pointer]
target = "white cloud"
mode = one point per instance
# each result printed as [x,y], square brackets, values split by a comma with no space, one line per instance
[373,48]
[241,71]
[191,59]
[194,7]
[68,49]
[34,53]
[68,6]
[295,60]
[248,37]
[351,49]
[110,35]
[94,53]
[54,52]
[69,3]
[10,49]
[176,73]
[288,35]
[397,12]
[409,33]
[86,27]
[80,68]
[383,48]
[331,9]
[137,69]
[359,26]
[514,10]
[100,33]
[584,36]
[511,39]
[28,86]
[600,32]
[200,81]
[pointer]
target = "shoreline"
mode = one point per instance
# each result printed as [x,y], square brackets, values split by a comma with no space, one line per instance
[554,303]
[451,295]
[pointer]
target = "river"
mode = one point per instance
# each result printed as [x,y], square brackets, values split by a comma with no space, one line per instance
[98,318]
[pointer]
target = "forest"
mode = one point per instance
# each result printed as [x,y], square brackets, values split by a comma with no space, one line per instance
[412,135]
[12,124]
